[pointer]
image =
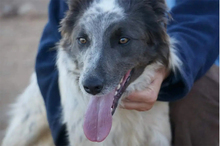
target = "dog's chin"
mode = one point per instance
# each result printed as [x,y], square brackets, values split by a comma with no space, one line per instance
[98,117]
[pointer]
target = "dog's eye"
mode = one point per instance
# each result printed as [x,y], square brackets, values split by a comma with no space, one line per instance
[82,40]
[123,40]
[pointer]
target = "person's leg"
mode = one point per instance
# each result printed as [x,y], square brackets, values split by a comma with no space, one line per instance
[195,118]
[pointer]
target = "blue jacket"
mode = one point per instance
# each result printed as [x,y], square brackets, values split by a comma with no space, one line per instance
[195,26]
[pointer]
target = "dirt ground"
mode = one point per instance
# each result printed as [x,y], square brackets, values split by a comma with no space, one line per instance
[23,7]
[19,38]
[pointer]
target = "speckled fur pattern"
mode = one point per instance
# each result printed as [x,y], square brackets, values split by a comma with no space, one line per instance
[29,127]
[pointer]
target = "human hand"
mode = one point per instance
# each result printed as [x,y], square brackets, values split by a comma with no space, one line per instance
[144,100]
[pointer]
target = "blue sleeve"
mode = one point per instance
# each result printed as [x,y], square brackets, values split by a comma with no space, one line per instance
[196,28]
[47,74]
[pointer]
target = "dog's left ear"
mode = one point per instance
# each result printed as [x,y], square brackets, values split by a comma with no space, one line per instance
[158,32]
[161,10]
[154,15]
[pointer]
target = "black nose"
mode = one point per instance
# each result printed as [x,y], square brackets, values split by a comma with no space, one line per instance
[93,85]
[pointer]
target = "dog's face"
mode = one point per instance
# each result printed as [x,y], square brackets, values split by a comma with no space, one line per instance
[112,41]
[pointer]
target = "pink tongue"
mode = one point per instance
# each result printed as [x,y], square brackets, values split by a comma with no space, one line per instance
[98,118]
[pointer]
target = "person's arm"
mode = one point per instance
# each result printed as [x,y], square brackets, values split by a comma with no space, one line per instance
[47,74]
[196,28]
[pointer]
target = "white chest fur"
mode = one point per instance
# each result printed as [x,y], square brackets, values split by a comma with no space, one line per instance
[130,128]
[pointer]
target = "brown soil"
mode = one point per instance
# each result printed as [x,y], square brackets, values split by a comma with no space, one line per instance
[19,38]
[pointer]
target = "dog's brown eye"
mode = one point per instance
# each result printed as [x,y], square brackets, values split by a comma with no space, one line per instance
[82,40]
[123,40]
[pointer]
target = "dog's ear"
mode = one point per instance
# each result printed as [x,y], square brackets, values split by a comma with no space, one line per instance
[161,10]
[154,16]
[76,8]
[162,42]
[156,28]
[156,8]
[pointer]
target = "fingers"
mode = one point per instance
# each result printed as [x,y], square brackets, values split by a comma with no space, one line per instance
[146,96]
[149,95]
[139,106]
[144,100]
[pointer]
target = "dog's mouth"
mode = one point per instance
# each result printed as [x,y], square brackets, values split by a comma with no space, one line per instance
[98,117]
[120,90]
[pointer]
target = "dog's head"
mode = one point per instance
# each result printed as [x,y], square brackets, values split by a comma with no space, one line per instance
[111,42]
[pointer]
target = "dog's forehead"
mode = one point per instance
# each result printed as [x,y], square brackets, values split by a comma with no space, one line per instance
[100,14]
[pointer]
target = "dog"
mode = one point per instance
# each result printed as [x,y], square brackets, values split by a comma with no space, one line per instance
[109,48]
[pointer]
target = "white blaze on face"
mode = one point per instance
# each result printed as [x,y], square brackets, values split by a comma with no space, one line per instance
[99,7]
[105,6]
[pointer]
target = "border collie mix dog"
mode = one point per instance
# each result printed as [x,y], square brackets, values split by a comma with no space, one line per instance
[109,48]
